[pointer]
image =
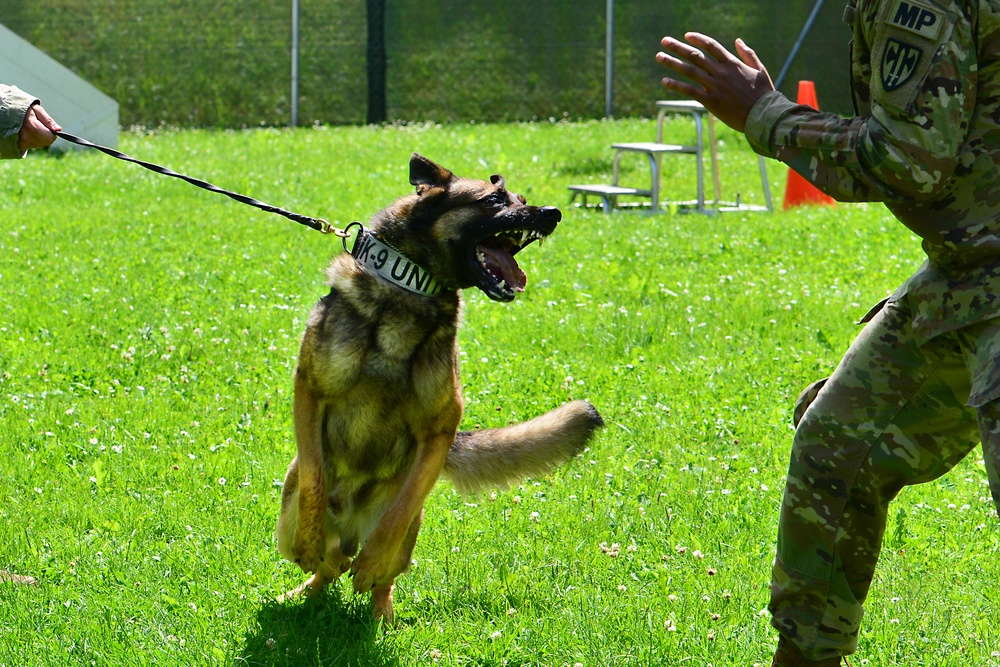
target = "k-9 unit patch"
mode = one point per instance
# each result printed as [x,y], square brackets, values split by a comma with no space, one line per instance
[899,62]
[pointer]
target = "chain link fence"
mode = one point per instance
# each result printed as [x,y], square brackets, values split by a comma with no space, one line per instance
[209,63]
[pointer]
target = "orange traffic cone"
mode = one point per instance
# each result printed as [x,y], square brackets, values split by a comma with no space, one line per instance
[799,191]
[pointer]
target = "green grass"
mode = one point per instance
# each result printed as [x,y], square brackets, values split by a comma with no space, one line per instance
[148,331]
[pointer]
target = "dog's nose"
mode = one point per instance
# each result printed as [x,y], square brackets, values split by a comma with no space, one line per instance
[551,214]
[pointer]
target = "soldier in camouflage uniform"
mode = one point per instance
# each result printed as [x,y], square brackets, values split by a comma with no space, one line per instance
[921,385]
[24,124]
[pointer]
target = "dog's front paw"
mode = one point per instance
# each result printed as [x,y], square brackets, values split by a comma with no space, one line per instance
[309,563]
[308,554]
[369,569]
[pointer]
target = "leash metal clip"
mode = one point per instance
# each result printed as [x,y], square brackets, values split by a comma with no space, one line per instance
[325,227]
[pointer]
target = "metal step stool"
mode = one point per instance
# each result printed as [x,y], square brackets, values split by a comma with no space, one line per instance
[609,194]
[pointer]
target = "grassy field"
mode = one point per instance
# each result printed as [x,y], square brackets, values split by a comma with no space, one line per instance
[148,332]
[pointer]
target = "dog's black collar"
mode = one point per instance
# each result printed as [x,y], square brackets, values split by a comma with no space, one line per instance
[393,266]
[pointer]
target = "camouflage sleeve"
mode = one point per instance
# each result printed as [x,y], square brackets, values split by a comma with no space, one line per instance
[922,92]
[14,104]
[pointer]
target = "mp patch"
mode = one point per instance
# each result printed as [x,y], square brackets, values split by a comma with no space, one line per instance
[917,18]
[899,62]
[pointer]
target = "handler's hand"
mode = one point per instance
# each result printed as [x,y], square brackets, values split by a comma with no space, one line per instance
[36,130]
[728,86]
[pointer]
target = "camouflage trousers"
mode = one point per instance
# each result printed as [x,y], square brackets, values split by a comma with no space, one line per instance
[897,411]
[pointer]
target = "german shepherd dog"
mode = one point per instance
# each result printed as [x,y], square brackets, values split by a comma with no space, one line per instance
[377,393]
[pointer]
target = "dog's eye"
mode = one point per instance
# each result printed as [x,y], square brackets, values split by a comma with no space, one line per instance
[496,200]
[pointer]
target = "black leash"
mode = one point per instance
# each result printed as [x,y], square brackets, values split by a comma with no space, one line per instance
[318,224]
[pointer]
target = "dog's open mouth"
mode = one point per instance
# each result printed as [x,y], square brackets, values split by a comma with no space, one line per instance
[502,278]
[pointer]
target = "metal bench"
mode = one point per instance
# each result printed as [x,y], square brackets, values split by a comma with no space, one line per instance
[608,193]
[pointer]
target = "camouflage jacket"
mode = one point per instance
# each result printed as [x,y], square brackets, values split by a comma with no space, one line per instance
[925,141]
[14,105]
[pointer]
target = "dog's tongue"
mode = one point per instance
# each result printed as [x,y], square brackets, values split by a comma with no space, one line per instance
[502,263]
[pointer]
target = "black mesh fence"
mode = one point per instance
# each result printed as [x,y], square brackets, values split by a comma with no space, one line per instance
[228,63]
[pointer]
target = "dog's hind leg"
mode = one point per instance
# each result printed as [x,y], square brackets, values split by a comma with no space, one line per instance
[382,592]
[334,564]
[314,585]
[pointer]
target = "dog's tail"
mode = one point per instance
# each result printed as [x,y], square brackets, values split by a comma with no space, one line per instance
[501,456]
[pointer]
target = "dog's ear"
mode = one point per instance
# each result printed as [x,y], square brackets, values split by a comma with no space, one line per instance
[427,175]
[498,180]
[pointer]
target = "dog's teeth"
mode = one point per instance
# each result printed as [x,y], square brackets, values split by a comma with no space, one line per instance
[503,284]
[525,235]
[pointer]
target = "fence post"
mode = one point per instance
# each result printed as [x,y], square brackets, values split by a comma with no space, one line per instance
[295,63]
[609,61]
[377,112]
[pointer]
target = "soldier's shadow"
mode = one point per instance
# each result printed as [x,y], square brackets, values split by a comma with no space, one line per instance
[324,630]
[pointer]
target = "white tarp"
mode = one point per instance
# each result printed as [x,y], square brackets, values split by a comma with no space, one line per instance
[79,107]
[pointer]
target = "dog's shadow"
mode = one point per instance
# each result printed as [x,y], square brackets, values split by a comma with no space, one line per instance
[323,630]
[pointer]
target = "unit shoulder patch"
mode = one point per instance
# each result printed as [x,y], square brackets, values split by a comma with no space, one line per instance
[917,18]
[908,39]
[899,62]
